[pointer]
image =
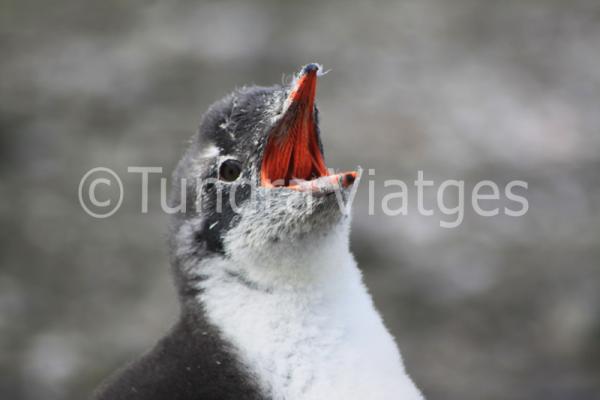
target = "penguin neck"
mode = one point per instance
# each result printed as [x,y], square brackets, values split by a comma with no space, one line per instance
[300,319]
[319,262]
[311,261]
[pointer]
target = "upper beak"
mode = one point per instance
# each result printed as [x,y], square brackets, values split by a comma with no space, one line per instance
[304,91]
[292,150]
[293,154]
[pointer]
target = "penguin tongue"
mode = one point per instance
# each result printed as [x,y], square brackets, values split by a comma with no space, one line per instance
[292,154]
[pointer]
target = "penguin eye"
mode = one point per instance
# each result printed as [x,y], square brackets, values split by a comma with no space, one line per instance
[230,170]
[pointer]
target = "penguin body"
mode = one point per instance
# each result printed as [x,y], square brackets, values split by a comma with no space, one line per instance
[272,302]
[191,363]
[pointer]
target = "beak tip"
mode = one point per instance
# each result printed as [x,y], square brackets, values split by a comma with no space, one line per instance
[304,87]
[348,178]
[308,68]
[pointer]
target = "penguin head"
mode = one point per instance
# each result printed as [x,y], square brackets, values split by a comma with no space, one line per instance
[254,176]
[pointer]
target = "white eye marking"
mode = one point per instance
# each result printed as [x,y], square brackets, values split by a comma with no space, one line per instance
[210,152]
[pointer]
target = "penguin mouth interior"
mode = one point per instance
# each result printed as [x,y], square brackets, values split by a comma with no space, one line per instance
[292,158]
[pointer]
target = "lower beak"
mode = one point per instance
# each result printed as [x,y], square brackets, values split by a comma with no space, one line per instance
[325,184]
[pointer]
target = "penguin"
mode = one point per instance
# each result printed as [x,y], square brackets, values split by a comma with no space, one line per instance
[272,303]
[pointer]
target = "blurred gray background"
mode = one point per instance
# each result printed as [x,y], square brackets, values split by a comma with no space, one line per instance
[498,308]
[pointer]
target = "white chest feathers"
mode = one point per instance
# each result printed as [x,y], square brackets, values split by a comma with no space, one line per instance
[305,326]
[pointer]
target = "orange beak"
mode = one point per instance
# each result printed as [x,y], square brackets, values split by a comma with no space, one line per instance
[292,154]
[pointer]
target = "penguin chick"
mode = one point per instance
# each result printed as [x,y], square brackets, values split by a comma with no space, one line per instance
[272,303]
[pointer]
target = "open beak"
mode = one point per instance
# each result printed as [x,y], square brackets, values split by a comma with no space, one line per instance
[292,158]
